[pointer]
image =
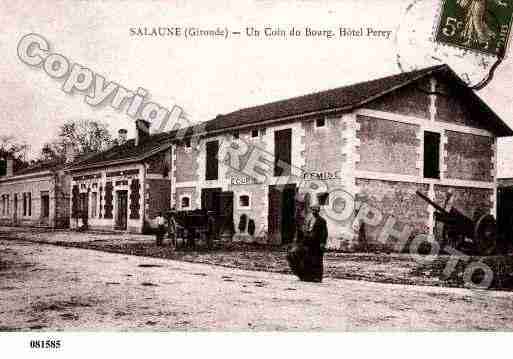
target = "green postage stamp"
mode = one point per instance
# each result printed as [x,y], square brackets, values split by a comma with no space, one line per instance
[480,25]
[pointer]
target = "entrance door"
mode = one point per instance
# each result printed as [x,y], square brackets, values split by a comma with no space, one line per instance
[84,207]
[505,212]
[210,199]
[282,213]
[15,210]
[122,213]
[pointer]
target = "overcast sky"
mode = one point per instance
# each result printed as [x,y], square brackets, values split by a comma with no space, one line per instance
[211,76]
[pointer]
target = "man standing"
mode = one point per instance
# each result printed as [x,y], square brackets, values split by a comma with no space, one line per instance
[211,229]
[172,228]
[161,229]
[315,243]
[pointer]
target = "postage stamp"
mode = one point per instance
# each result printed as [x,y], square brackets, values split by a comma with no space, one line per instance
[479,25]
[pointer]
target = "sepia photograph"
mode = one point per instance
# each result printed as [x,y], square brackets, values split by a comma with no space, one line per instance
[251,167]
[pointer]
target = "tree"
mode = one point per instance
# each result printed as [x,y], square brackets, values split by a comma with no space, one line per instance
[11,148]
[85,136]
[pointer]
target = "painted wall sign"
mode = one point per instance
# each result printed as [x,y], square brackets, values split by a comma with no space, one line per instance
[242,180]
[313,175]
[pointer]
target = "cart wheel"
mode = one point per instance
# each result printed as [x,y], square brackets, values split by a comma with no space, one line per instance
[485,234]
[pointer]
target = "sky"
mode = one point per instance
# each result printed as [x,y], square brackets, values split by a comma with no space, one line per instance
[209,76]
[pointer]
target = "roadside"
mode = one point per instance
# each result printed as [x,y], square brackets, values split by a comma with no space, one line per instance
[46,287]
[374,267]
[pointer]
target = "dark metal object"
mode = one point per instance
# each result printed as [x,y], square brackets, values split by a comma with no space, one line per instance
[462,233]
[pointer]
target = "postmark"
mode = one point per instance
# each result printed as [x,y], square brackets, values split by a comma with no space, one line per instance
[418,43]
[478,25]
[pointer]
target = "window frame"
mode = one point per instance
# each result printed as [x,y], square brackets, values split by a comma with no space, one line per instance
[244,194]
[324,121]
[426,173]
[180,201]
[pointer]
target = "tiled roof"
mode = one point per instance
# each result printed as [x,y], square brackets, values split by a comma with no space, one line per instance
[53,165]
[345,97]
[342,98]
[128,150]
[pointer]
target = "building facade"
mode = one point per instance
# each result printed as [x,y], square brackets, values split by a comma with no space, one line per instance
[36,196]
[125,187]
[361,152]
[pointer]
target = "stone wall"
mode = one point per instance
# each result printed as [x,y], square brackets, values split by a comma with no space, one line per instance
[396,200]
[387,146]
[469,157]
[158,195]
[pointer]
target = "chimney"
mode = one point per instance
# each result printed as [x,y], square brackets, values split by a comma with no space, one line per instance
[122,135]
[9,171]
[142,131]
[70,152]
[6,166]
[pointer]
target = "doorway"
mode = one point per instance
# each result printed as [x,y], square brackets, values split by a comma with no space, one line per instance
[282,213]
[210,199]
[15,210]
[122,210]
[505,213]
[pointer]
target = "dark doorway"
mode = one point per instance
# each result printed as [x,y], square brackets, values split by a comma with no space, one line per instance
[282,210]
[505,213]
[122,212]
[84,208]
[431,155]
[210,199]
[45,205]
[15,209]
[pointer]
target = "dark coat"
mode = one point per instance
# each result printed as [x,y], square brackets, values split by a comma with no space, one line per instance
[318,235]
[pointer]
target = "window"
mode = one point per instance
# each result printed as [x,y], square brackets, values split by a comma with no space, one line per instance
[27,204]
[24,204]
[431,155]
[236,135]
[94,204]
[254,133]
[45,205]
[262,132]
[185,202]
[212,165]
[3,167]
[320,122]
[187,143]
[323,198]
[5,205]
[282,152]
[244,201]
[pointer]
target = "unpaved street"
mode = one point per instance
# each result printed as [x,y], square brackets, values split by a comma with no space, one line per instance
[56,288]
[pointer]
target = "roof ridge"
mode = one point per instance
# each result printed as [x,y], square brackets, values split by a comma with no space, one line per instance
[361,83]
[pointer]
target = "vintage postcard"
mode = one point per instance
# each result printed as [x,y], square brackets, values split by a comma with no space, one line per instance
[255,166]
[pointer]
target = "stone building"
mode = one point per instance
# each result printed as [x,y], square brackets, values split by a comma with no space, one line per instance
[36,196]
[374,143]
[124,187]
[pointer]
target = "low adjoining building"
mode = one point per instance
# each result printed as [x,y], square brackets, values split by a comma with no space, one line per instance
[124,187]
[36,196]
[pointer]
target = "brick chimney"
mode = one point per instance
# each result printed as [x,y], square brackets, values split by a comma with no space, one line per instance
[142,131]
[10,167]
[6,166]
[70,152]
[122,136]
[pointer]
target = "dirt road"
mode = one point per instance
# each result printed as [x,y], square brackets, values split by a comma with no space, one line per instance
[48,287]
